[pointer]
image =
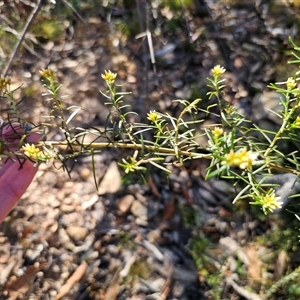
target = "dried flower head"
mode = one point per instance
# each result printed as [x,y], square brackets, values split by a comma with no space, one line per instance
[49,75]
[242,158]
[109,77]
[153,116]
[291,83]
[5,82]
[217,71]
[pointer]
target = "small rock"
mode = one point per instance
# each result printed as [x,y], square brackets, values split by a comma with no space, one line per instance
[157,284]
[3,239]
[141,222]
[222,226]
[90,202]
[182,274]
[140,288]
[85,174]
[207,196]
[50,178]
[125,203]
[238,63]
[131,79]
[169,48]
[229,244]
[111,181]
[139,210]
[67,208]
[177,84]
[54,227]
[183,93]
[77,233]
[53,201]
[68,63]
[178,289]
[264,103]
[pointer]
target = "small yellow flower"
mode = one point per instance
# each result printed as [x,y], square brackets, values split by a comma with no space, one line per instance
[153,116]
[31,151]
[232,159]
[49,75]
[242,158]
[34,153]
[109,77]
[296,122]
[291,83]
[269,202]
[218,131]
[217,71]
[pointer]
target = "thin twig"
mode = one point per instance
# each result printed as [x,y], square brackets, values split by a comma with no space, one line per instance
[22,36]
[150,45]
[186,19]
[143,88]
[242,291]
[224,49]
[77,14]
[124,145]
[160,150]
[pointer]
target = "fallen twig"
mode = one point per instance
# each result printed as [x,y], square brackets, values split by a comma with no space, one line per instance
[22,36]
[241,291]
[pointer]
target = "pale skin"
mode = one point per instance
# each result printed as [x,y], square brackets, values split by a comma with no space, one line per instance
[15,176]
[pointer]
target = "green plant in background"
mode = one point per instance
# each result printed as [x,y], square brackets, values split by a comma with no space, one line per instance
[125,240]
[139,269]
[49,30]
[200,249]
[177,4]
[189,215]
[286,282]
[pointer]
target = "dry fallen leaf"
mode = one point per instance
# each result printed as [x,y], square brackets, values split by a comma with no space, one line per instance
[75,277]
[169,210]
[280,265]
[255,265]
[112,291]
[153,186]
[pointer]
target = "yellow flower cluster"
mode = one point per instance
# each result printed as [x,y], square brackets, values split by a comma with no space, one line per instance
[217,131]
[242,158]
[153,116]
[31,151]
[290,83]
[34,153]
[109,77]
[269,202]
[217,71]
[49,75]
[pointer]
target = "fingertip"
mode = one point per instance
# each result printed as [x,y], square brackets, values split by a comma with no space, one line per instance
[13,183]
